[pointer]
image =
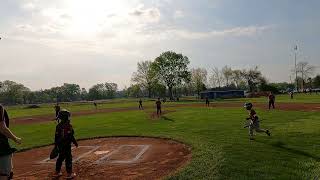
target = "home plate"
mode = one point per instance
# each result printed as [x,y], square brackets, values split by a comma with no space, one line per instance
[101,152]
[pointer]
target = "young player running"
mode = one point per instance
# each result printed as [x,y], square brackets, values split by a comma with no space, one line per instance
[254,121]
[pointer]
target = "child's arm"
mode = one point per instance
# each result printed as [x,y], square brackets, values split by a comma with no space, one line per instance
[57,136]
[74,141]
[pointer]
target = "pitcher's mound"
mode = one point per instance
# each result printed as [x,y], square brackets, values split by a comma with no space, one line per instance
[109,158]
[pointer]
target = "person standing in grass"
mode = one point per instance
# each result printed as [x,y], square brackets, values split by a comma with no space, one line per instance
[272,99]
[64,137]
[95,105]
[254,121]
[158,105]
[207,102]
[6,152]
[140,104]
[57,110]
[291,94]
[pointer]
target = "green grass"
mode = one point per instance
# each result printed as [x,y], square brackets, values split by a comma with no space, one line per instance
[46,109]
[20,111]
[220,145]
[283,98]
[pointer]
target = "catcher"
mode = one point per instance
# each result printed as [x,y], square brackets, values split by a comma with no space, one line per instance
[64,136]
[254,121]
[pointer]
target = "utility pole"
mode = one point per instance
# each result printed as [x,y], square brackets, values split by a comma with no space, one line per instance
[295,65]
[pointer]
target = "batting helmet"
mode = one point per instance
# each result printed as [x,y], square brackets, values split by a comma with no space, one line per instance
[248,106]
[64,115]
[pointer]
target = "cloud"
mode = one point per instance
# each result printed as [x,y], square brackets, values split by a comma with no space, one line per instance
[147,14]
[178,14]
[231,32]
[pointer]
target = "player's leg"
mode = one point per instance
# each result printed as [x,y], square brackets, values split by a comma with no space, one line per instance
[69,164]
[273,104]
[251,128]
[259,130]
[5,167]
[61,158]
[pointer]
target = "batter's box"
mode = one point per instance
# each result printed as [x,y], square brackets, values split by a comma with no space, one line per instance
[77,153]
[125,154]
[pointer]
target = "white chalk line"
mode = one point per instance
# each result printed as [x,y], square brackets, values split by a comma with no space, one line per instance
[105,159]
[94,148]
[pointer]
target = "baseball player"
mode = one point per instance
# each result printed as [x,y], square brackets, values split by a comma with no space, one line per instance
[254,121]
[6,151]
[272,99]
[64,136]
[140,104]
[95,105]
[57,109]
[158,104]
[207,102]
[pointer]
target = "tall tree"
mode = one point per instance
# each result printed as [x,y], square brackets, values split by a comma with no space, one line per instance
[172,69]
[216,77]
[253,77]
[144,76]
[306,71]
[199,79]
[227,74]
[316,81]
[12,92]
[237,77]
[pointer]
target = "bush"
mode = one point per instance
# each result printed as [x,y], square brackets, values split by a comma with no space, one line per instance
[33,106]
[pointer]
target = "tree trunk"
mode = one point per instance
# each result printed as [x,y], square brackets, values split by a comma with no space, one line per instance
[149,92]
[170,93]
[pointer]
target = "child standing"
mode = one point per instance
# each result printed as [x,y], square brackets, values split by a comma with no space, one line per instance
[64,136]
[140,104]
[207,102]
[254,121]
[158,104]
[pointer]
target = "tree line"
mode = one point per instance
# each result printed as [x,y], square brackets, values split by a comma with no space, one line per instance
[169,75]
[15,93]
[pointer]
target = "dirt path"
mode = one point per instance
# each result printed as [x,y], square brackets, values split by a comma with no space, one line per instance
[109,158]
[281,106]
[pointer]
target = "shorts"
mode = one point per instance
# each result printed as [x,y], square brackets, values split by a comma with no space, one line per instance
[5,164]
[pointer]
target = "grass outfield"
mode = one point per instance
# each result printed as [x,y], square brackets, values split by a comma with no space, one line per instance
[221,148]
[283,98]
[20,111]
[46,109]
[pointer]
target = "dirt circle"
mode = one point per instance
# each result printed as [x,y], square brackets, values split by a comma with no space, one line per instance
[109,158]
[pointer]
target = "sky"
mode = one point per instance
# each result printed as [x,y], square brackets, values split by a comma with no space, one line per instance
[48,42]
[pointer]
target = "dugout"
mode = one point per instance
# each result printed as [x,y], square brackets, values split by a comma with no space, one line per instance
[222,94]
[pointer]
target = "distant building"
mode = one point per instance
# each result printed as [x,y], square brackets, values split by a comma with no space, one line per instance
[213,94]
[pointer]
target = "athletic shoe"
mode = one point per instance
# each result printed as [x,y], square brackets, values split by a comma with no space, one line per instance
[268,133]
[71,176]
[57,174]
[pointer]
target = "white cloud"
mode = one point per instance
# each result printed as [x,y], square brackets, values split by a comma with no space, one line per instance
[232,32]
[178,14]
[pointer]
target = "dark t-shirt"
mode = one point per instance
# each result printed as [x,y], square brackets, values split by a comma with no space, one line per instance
[64,135]
[253,115]
[271,97]
[57,108]
[158,103]
[5,148]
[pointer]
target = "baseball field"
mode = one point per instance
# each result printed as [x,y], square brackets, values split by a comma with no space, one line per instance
[189,140]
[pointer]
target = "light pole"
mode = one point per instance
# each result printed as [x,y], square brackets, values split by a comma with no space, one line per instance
[295,65]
